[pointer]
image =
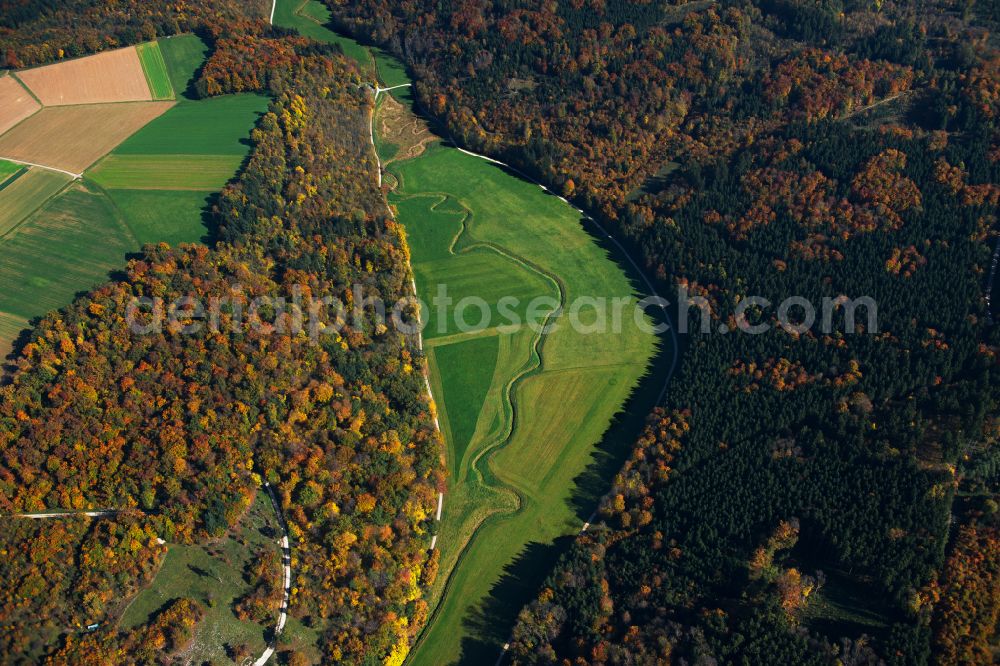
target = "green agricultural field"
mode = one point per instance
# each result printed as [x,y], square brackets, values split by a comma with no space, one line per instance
[164,216]
[213,575]
[514,449]
[161,178]
[8,170]
[29,192]
[182,55]
[310,18]
[155,69]
[214,126]
[204,173]
[68,246]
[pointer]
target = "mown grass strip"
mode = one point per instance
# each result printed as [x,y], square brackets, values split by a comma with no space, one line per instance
[205,173]
[155,69]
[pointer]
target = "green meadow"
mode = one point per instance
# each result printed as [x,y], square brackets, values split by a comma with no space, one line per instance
[163,216]
[182,55]
[213,574]
[155,69]
[514,449]
[160,177]
[213,126]
[67,246]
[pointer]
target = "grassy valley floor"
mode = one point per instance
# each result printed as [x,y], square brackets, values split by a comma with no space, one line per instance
[522,413]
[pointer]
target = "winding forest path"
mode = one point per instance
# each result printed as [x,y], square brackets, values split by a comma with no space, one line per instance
[100,513]
[286,562]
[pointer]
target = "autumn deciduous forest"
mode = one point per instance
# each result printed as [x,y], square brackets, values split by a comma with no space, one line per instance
[800,497]
[179,430]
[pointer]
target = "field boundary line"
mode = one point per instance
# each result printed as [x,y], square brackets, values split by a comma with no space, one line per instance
[74,176]
[31,92]
[27,218]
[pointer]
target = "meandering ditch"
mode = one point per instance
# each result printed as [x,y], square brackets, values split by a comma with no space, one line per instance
[553,414]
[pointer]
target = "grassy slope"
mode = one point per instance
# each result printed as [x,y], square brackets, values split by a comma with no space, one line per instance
[212,574]
[310,17]
[155,69]
[534,240]
[69,245]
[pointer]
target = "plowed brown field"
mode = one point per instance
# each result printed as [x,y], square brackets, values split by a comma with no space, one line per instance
[73,138]
[112,76]
[15,103]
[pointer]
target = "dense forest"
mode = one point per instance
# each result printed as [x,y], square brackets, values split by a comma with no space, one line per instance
[37,32]
[177,429]
[802,496]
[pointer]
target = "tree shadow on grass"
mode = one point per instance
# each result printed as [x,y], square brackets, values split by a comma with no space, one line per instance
[488,626]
